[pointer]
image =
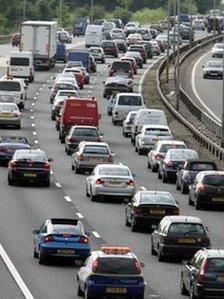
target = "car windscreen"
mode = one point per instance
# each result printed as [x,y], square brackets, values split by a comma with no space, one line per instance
[183,155]
[156,199]
[121,66]
[98,150]
[9,86]
[214,180]
[85,132]
[36,157]
[187,229]
[215,265]
[20,61]
[8,107]
[202,166]
[13,139]
[67,229]
[114,171]
[165,147]
[67,93]
[117,265]
[63,86]
[108,44]
[126,100]
[157,132]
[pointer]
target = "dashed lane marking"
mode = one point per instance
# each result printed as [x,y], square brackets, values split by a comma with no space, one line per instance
[32,125]
[67,198]
[34,133]
[58,185]
[79,215]
[36,141]
[51,172]
[96,235]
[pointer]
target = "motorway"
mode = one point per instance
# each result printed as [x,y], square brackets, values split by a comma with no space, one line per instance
[24,208]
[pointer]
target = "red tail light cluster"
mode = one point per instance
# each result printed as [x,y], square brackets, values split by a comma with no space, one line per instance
[130,183]
[201,188]
[12,164]
[71,139]
[2,150]
[110,159]
[83,240]
[137,266]
[169,164]
[47,165]
[100,182]
[201,273]
[80,157]
[158,157]
[48,238]
[137,210]
[95,265]
[176,212]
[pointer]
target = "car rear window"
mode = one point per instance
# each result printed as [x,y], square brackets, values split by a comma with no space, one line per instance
[202,166]
[121,65]
[155,132]
[183,155]
[98,150]
[36,157]
[165,147]
[21,61]
[85,132]
[66,93]
[10,86]
[214,180]
[156,199]
[13,139]
[117,265]
[215,265]
[186,228]
[63,86]
[130,101]
[114,171]
[67,229]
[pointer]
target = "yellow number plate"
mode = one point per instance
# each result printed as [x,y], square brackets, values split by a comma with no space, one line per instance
[187,241]
[30,175]
[218,199]
[157,212]
[116,290]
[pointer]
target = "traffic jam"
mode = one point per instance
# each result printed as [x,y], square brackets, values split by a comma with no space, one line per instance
[112,271]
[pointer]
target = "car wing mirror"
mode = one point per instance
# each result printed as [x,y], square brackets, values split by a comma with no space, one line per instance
[50,160]
[87,233]
[36,231]
[142,264]
[154,226]
[185,262]
[207,228]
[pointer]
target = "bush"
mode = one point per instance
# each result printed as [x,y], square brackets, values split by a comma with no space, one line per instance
[146,16]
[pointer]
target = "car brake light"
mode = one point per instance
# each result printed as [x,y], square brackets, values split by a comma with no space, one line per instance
[158,157]
[95,265]
[201,188]
[116,113]
[16,114]
[110,158]
[201,274]
[99,182]
[83,240]
[169,164]
[137,210]
[12,164]
[176,212]
[130,183]
[48,238]
[47,165]
[80,157]
[2,150]
[71,139]
[137,266]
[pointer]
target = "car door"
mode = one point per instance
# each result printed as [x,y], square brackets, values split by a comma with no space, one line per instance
[84,272]
[129,209]
[192,269]
[90,180]
[40,237]
[193,189]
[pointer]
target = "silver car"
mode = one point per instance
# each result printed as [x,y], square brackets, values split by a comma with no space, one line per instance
[149,135]
[213,69]
[98,54]
[10,115]
[217,50]
[159,151]
[89,154]
[126,130]
[112,180]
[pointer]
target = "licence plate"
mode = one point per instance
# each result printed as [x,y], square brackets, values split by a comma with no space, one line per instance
[187,241]
[30,175]
[157,212]
[95,159]
[218,199]
[65,251]
[116,290]
[220,278]
[5,114]
[114,183]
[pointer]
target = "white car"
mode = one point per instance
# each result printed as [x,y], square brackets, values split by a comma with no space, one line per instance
[149,135]
[133,38]
[126,130]
[110,180]
[159,151]
[217,50]
[117,33]
[198,24]
[67,79]
[98,54]
[10,115]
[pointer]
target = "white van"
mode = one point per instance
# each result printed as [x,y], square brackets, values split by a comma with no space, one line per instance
[20,65]
[124,103]
[147,117]
[15,87]
[94,35]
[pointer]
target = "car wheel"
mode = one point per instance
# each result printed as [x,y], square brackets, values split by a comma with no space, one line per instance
[10,181]
[164,178]
[18,126]
[94,198]
[192,295]
[86,295]
[134,225]
[153,168]
[42,259]
[140,151]
[77,170]
[159,175]
[148,165]
[177,185]
[153,252]
[47,183]
[87,193]
[81,86]
[127,223]
[160,255]
[183,289]
[190,202]
[204,76]
[72,167]
[80,292]
[198,205]
[183,188]
[125,134]
[35,254]
[115,122]
[62,139]
[68,152]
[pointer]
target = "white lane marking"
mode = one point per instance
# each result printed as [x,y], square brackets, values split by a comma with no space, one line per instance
[79,215]
[31,110]
[18,279]
[58,185]
[145,72]
[33,125]
[96,235]
[34,133]
[32,117]
[33,104]
[37,93]
[154,295]
[143,188]
[51,172]
[67,198]
[194,86]
[44,85]
[34,98]
[36,141]
[41,88]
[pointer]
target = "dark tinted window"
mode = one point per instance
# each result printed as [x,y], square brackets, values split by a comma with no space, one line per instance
[157,132]
[85,132]
[63,86]
[9,86]
[165,147]
[156,199]
[117,265]
[19,61]
[215,265]
[67,229]
[98,150]
[108,44]
[34,156]
[123,66]
[129,101]
[202,166]
[214,180]
[186,228]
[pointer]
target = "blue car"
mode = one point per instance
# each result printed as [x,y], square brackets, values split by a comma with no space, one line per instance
[61,52]
[61,238]
[174,159]
[110,105]
[112,272]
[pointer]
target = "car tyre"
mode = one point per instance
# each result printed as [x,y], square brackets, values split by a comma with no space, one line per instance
[87,193]
[164,178]
[80,293]
[149,165]
[42,259]
[35,254]
[177,185]
[47,183]
[153,252]
[183,289]
[198,205]
[160,255]
[190,202]
[159,175]
[72,167]
[183,188]
[125,134]
[62,139]
[192,295]
[127,223]
[10,181]
[134,226]
[153,168]
[140,151]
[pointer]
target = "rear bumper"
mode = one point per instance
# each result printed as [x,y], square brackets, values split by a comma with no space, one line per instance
[9,121]
[79,253]
[115,192]
[180,250]
[20,175]
[209,291]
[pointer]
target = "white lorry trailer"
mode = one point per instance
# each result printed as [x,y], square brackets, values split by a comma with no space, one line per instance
[40,37]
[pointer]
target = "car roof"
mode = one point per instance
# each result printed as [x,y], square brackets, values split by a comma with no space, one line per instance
[30,151]
[130,94]
[178,150]
[183,219]
[92,143]
[129,255]
[214,253]
[211,172]
[155,126]
[161,142]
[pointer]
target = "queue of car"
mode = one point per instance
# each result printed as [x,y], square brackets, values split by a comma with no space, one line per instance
[115,271]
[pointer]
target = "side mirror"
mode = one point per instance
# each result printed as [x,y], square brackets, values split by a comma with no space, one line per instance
[50,160]
[113,154]
[35,231]
[108,66]
[101,134]
[185,262]
[142,264]
[87,232]
[207,228]
[99,116]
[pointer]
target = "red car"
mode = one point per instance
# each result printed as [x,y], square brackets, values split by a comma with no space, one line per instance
[119,67]
[80,78]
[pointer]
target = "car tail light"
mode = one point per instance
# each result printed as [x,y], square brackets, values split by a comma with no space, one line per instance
[116,113]
[71,139]
[99,182]
[48,238]
[83,240]
[130,183]
[137,210]
[201,274]
[201,188]
[80,157]
[15,114]
[12,164]
[169,164]
[21,96]
[95,265]
[176,212]
[47,165]
[110,158]
[2,150]
[158,157]
[137,266]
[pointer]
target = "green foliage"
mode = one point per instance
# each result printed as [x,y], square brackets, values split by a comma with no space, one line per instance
[146,15]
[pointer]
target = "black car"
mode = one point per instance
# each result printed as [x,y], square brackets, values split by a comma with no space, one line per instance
[179,236]
[117,22]
[148,208]
[121,45]
[148,47]
[117,84]
[110,48]
[9,144]
[203,275]
[137,56]
[185,175]
[207,189]
[93,67]
[29,166]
